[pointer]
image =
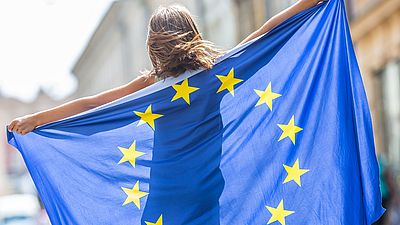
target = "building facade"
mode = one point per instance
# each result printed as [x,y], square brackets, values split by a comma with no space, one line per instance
[115,53]
[375,27]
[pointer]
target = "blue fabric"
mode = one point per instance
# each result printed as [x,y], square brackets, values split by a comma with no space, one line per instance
[222,159]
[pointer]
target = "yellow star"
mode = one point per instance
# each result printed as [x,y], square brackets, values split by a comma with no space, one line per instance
[183,91]
[278,213]
[289,130]
[130,154]
[147,117]
[294,173]
[159,222]
[134,195]
[267,96]
[228,82]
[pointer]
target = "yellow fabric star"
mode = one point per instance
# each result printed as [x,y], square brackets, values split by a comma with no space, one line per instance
[159,222]
[289,130]
[228,82]
[183,91]
[267,96]
[278,213]
[147,117]
[134,195]
[130,154]
[294,173]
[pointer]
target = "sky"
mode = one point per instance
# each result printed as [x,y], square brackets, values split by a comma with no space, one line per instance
[40,40]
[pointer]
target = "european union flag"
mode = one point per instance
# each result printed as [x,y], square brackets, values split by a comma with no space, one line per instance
[278,132]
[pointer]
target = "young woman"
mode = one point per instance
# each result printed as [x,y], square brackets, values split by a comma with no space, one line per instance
[174,45]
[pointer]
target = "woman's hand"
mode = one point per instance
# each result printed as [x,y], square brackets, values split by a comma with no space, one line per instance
[23,125]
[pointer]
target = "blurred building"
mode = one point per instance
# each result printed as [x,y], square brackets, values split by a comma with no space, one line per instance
[115,53]
[375,26]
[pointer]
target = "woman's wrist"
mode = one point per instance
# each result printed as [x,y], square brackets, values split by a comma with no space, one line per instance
[37,119]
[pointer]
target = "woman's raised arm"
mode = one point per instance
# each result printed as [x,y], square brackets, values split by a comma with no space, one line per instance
[280,17]
[25,124]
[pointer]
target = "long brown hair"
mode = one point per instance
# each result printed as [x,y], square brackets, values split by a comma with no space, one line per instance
[175,44]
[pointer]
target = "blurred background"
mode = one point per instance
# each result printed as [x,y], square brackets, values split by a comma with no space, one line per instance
[52,51]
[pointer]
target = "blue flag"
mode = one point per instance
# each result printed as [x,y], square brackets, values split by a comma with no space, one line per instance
[278,132]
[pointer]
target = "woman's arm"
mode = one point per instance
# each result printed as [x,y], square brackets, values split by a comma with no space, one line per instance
[25,124]
[282,16]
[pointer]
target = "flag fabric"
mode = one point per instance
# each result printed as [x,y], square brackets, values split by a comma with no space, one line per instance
[277,132]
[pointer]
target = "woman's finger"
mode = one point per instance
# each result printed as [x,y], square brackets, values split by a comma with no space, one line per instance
[12,126]
[26,130]
[18,130]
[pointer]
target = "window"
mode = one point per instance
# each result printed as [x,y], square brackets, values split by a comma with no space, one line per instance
[390,91]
